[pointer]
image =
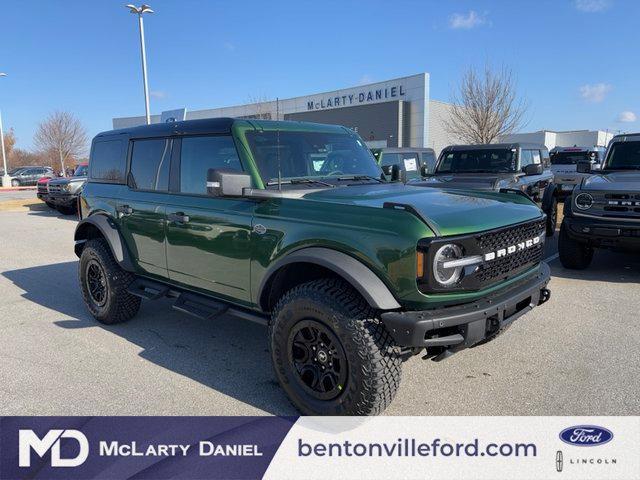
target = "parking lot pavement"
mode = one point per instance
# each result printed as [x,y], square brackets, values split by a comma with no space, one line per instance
[575,355]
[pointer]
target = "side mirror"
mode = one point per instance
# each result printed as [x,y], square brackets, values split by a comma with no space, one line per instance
[583,167]
[398,174]
[227,183]
[533,169]
[387,170]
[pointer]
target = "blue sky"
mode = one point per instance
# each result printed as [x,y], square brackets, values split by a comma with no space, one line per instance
[575,60]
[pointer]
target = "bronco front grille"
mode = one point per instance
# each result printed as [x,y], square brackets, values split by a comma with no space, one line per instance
[512,251]
[505,267]
[42,188]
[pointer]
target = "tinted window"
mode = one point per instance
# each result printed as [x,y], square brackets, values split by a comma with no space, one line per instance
[481,160]
[569,158]
[108,161]
[150,161]
[624,156]
[429,159]
[199,154]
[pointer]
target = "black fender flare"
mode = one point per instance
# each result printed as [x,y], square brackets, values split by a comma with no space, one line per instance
[109,230]
[547,199]
[367,283]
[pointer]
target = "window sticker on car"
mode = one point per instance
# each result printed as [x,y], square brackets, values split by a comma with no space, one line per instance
[410,164]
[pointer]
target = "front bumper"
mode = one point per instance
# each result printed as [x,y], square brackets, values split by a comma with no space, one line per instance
[63,199]
[598,233]
[465,325]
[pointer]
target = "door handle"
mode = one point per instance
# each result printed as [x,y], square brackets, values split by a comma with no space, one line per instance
[124,210]
[178,217]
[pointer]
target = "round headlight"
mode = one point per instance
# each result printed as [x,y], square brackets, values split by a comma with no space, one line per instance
[447,276]
[584,201]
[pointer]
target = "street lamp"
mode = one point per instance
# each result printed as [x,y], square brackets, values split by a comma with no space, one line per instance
[6,179]
[140,11]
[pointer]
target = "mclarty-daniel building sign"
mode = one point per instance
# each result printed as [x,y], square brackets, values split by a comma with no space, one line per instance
[354,99]
[390,112]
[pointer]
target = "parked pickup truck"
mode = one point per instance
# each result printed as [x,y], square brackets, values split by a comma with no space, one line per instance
[291,224]
[522,167]
[63,193]
[564,162]
[604,209]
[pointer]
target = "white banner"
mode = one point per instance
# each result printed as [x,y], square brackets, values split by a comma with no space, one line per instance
[460,447]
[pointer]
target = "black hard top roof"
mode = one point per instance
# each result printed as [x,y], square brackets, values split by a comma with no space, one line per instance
[216,126]
[494,146]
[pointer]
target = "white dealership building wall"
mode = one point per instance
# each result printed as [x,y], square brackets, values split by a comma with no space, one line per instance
[551,139]
[420,121]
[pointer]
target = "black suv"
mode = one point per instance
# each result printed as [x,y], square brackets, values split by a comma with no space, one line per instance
[604,210]
[521,167]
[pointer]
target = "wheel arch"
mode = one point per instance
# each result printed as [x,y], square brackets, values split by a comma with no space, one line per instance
[102,226]
[549,195]
[311,263]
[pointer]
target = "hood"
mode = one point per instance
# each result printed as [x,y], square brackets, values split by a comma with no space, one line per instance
[624,181]
[65,180]
[475,181]
[451,212]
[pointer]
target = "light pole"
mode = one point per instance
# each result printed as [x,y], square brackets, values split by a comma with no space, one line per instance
[6,179]
[140,11]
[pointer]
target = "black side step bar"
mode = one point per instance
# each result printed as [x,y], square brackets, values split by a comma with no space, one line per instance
[147,289]
[199,306]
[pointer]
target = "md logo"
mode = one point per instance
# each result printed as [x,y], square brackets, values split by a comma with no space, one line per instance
[28,441]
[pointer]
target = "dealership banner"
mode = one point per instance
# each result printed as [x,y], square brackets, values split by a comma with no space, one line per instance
[319,447]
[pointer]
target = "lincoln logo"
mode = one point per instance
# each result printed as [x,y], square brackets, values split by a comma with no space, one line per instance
[503,252]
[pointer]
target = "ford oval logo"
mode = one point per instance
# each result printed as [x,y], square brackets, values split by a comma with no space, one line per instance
[586,435]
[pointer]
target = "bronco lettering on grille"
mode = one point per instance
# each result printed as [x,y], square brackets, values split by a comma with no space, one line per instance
[511,249]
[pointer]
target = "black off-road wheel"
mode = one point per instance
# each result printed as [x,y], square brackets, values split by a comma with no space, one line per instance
[331,355]
[104,285]
[573,254]
[552,218]
[51,205]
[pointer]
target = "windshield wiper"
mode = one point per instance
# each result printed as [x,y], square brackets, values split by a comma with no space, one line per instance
[357,177]
[297,181]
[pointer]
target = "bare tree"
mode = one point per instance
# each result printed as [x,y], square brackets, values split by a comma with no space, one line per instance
[63,134]
[485,106]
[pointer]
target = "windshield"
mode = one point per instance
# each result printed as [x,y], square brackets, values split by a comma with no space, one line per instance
[81,171]
[481,160]
[569,158]
[624,156]
[310,155]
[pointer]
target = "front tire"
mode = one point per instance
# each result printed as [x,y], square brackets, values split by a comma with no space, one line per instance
[331,355]
[104,285]
[64,210]
[573,254]
[51,205]
[15,183]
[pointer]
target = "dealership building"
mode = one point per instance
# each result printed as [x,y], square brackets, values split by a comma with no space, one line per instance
[392,113]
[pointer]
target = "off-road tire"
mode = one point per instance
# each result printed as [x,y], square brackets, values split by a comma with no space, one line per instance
[552,218]
[67,210]
[373,362]
[119,305]
[573,254]
[51,205]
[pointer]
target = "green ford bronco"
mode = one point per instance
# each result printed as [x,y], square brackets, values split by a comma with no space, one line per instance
[293,225]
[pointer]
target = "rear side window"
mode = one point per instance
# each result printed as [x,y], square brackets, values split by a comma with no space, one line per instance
[199,154]
[150,161]
[108,161]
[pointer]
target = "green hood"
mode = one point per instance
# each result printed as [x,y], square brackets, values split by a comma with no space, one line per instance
[452,212]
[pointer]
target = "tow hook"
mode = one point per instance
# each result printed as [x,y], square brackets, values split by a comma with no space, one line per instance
[545,295]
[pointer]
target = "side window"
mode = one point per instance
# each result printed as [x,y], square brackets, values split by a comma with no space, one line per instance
[150,160]
[429,159]
[199,154]
[445,164]
[108,161]
[410,162]
[535,155]
[525,158]
[390,159]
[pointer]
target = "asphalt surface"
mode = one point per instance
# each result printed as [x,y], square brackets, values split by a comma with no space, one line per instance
[575,355]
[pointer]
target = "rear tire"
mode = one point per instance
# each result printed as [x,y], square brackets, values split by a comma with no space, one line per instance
[369,366]
[104,285]
[552,218]
[573,254]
